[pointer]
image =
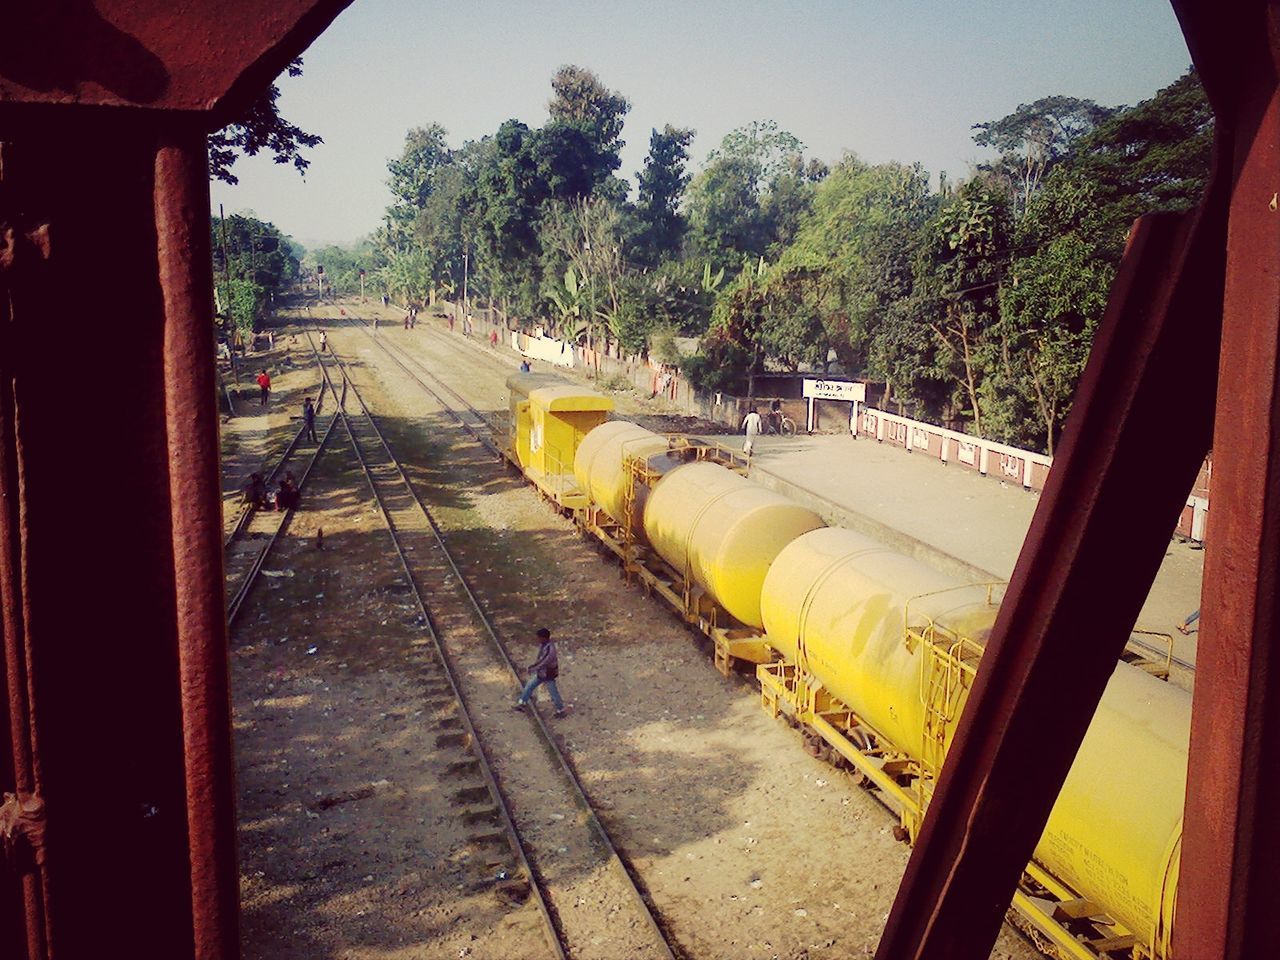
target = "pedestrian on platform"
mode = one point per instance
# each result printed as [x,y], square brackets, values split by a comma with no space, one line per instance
[1185,626]
[264,384]
[751,425]
[545,669]
[324,341]
[309,418]
[493,338]
[408,317]
[524,366]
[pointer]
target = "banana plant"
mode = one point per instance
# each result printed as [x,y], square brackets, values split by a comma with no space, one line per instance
[569,304]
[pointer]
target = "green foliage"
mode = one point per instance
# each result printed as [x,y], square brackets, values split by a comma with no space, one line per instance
[412,179]
[580,99]
[978,300]
[751,195]
[960,262]
[1034,138]
[255,261]
[261,128]
[662,183]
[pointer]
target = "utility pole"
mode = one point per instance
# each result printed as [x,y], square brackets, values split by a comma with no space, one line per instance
[465,266]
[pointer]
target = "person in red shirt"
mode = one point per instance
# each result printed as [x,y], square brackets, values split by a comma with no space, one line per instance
[264,382]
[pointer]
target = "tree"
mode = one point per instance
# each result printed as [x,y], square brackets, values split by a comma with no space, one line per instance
[962,257]
[579,98]
[585,234]
[1153,156]
[726,225]
[261,128]
[762,144]
[1035,137]
[852,254]
[662,183]
[412,180]
[747,194]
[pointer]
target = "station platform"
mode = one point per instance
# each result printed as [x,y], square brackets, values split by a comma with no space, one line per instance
[957,521]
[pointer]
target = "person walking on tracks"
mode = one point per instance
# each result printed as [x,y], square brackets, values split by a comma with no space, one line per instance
[324,341]
[264,384]
[309,419]
[545,669]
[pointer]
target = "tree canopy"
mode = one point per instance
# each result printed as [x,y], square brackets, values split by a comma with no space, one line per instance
[974,301]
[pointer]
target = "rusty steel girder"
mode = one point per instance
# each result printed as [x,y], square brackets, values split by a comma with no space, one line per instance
[1194,317]
[116,775]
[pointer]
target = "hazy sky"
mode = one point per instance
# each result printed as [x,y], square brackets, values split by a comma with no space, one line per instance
[887,79]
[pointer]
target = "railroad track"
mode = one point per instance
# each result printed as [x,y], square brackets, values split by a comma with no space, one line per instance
[480,427]
[247,546]
[590,899]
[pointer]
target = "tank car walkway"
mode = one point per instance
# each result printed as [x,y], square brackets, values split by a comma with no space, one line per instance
[965,524]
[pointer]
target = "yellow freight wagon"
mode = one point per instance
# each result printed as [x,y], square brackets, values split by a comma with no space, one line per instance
[549,418]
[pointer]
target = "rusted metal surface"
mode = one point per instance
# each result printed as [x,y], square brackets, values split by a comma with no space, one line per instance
[1231,846]
[1097,539]
[195,506]
[207,58]
[117,717]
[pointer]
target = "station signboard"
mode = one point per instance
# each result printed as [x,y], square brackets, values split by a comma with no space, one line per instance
[835,390]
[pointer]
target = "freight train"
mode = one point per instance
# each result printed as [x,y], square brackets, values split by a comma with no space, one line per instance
[871,655]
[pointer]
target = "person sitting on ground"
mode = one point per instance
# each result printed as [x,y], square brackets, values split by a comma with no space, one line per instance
[255,491]
[1185,626]
[288,496]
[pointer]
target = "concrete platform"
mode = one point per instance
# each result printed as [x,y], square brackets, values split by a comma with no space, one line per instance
[963,524]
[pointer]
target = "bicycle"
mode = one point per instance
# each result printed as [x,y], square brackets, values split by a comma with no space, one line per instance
[780,424]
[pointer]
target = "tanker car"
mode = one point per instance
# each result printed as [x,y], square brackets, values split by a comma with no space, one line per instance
[871,654]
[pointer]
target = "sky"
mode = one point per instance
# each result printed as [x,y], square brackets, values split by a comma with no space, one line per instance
[886,79]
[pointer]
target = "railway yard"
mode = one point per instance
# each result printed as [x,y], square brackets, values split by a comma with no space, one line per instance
[391,802]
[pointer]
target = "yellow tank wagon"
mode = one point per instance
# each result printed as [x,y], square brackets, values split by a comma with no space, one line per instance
[689,527]
[873,655]
[878,655]
[549,419]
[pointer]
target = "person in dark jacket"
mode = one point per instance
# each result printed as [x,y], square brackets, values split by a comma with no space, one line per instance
[309,418]
[545,669]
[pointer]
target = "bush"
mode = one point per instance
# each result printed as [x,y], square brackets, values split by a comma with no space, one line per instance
[616,383]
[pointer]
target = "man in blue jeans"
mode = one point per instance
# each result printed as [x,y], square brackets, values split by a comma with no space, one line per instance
[545,669]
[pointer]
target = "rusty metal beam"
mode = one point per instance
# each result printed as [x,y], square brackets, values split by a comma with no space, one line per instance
[1231,846]
[1095,544]
[116,737]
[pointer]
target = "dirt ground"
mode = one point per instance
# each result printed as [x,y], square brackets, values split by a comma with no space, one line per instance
[749,847]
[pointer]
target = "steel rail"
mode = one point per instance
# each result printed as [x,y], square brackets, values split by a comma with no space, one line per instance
[245,584]
[403,360]
[622,866]
[514,837]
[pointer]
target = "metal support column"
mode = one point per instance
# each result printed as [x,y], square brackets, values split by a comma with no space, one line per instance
[1230,877]
[117,824]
